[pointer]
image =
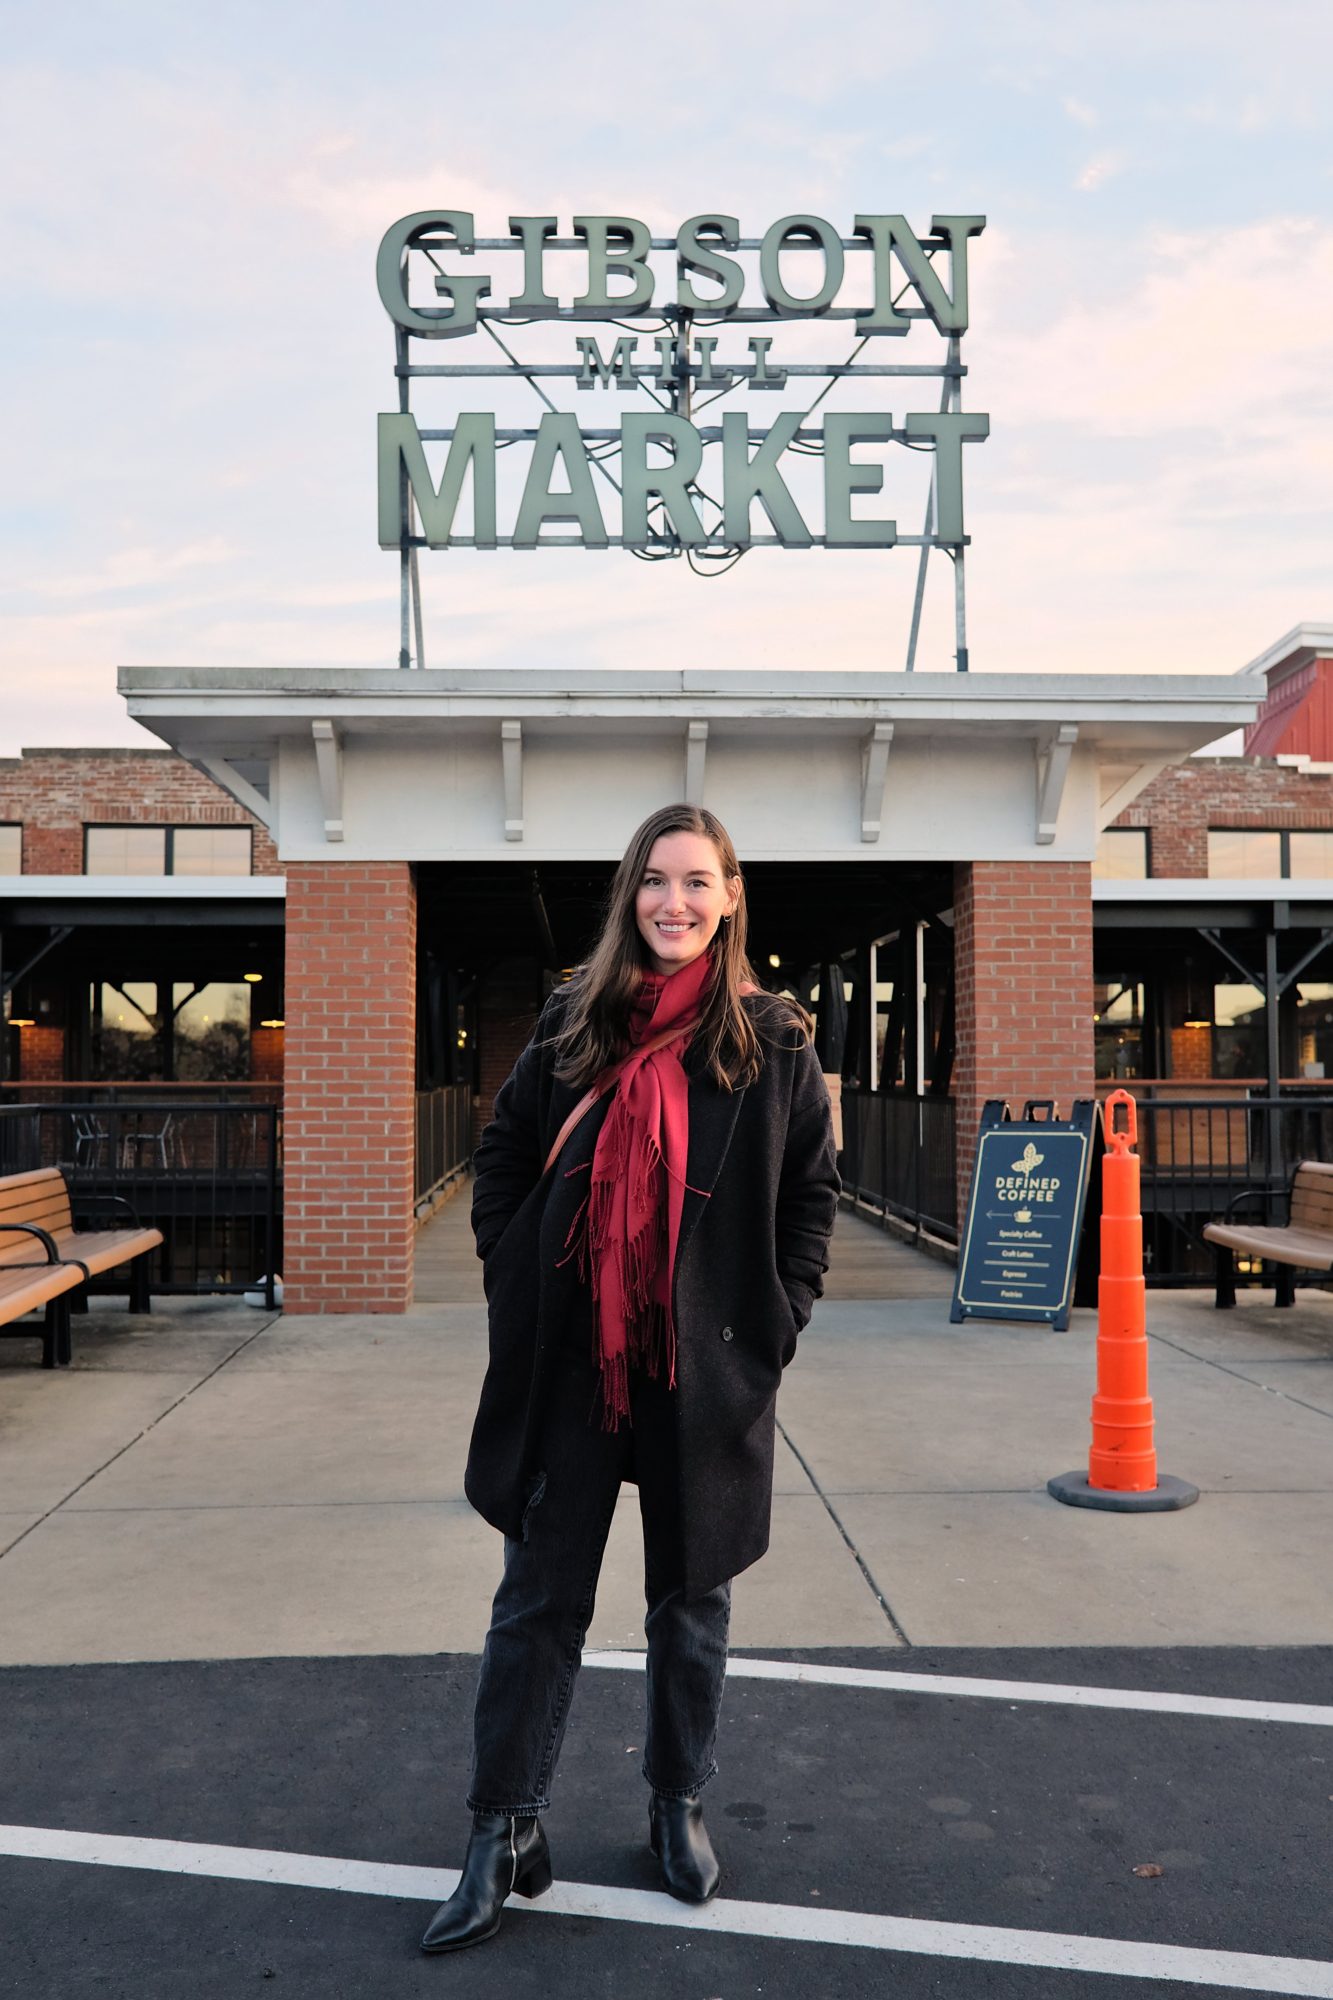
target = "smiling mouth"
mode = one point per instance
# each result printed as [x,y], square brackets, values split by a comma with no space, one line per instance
[674,930]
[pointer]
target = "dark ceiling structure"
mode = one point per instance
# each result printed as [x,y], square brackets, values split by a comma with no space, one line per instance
[474,915]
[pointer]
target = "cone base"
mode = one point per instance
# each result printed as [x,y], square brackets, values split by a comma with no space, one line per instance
[1165,1498]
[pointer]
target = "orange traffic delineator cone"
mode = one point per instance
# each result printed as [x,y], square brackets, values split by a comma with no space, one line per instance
[1122,1470]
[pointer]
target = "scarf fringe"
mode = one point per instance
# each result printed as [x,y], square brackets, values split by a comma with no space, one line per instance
[615,1391]
[651,1346]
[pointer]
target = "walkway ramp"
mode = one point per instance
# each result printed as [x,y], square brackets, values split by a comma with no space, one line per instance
[867,1262]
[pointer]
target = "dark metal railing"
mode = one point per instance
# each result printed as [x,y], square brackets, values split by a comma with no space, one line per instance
[29,1091]
[444,1136]
[208,1175]
[898,1157]
[1200,1154]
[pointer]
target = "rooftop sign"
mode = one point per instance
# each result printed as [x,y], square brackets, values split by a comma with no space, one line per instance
[678,318]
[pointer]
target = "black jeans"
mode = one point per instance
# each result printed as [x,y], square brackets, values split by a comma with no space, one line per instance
[544,1605]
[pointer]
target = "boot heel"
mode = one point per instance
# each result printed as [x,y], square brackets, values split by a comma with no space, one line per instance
[535,1878]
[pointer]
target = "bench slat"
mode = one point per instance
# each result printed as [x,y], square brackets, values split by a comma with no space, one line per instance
[103,1249]
[52,1176]
[1307,1248]
[28,1204]
[18,1247]
[23,1291]
[36,1210]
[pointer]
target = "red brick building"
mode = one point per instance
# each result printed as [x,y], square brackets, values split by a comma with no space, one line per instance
[147,978]
[365,890]
[1239,854]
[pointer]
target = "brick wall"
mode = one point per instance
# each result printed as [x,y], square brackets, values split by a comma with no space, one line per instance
[1182,803]
[350,1074]
[508,1003]
[266,1055]
[41,1054]
[1023,975]
[55,793]
[1191,1053]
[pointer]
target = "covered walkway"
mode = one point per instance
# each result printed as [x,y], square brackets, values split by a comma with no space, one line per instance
[867,1262]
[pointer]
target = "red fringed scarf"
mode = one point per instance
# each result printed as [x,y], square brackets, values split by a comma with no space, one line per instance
[627,1228]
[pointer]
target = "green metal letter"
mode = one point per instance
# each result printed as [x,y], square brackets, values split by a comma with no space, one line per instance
[745,479]
[842,478]
[532,232]
[629,255]
[950,429]
[668,483]
[890,232]
[391,274]
[621,363]
[473,443]
[764,377]
[558,437]
[801,230]
[694,255]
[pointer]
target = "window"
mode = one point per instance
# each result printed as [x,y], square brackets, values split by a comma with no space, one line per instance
[126,1032]
[1118,1027]
[149,1031]
[125,850]
[1247,854]
[210,850]
[1244,855]
[1122,854]
[1314,1027]
[1311,855]
[166,850]
[1239,1033]
[210,1033]
[11,850]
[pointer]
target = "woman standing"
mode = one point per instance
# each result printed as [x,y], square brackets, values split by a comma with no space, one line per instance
[653,1202]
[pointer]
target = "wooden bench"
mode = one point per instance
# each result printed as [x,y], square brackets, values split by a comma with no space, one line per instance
[1305,1243]
[32,1276]
[35,1212]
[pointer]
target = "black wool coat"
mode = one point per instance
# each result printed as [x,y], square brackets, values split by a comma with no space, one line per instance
[750,1260]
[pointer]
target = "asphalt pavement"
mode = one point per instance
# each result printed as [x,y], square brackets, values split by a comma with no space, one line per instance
[1070,1754]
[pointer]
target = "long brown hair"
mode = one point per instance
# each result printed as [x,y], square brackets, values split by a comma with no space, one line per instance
[594,1032]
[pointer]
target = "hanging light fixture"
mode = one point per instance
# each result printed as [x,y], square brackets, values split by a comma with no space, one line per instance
[252,978]
[1193,1017]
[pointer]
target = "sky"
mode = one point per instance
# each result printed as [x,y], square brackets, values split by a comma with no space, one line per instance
[194,351]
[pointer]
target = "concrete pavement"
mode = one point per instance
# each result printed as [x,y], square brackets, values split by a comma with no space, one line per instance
[215,1482]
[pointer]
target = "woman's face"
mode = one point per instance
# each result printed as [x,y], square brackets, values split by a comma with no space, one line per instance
[682,898]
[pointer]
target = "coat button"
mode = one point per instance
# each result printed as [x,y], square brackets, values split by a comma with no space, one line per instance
[727,1333]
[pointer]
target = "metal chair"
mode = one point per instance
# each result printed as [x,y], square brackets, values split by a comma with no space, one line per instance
[90,1138]
[134,1140]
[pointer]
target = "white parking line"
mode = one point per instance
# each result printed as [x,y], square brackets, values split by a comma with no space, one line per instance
[1126,1958]
[1219,1706]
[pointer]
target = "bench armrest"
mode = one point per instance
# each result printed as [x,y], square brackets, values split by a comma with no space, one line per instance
[31,1229]
[84,1202]
[1253,1194]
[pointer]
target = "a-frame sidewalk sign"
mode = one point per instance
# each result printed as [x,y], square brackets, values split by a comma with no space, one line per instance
[1018,1257]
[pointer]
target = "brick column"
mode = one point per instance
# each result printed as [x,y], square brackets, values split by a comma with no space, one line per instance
[349,1087]
[1023,978]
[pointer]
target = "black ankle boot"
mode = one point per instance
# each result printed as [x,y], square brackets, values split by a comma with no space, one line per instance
[679,1839]
[504,1856]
